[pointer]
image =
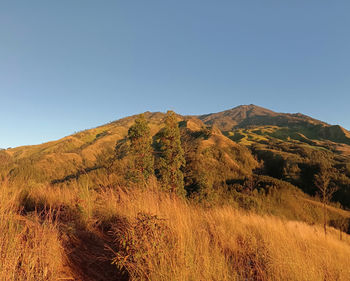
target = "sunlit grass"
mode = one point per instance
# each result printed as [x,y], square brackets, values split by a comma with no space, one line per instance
[29,248]
[162,237]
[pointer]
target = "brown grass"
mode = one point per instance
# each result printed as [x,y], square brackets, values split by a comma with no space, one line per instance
[154,236]
[30,249]
[227,244]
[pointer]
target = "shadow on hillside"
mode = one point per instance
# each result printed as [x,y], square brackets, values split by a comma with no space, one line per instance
[89,252]
[76,175]
[89,258]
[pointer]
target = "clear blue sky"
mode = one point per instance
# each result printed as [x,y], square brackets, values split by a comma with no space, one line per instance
[71,65]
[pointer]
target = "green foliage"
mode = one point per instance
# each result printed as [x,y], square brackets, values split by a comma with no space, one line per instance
[298,164]
[211,160]
[141,153]
[170,160]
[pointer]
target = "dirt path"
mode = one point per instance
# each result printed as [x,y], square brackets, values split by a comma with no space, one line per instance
[87,253]
[89,259]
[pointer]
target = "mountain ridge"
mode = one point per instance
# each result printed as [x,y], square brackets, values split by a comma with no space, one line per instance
[231,118]
[245,116]
[242,112]
[227,143]
[239,116]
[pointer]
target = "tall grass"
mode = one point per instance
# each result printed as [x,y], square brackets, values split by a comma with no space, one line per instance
[156,236]
[184,242]
[29,248]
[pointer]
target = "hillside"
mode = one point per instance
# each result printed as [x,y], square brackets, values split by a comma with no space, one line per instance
[249,177]
[69,155]
[291,146]
[246,116]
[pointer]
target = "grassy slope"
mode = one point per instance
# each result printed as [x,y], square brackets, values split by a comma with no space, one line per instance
[152,236]
[58,159]
[71,157]
[227,242]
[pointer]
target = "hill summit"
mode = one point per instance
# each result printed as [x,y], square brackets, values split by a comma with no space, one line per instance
[231,118]
[248,116]
[245,115]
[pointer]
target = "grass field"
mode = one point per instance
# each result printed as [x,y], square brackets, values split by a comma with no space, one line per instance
[115,234]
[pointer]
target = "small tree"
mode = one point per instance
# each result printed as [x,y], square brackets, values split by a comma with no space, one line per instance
[141,152]
[171,156]
[325,191]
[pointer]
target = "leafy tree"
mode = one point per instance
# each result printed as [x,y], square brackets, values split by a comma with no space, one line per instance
[141,152]
[171,156]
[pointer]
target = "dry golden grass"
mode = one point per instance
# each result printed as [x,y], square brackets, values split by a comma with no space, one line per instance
[227,244]
[29,248]
[161,237]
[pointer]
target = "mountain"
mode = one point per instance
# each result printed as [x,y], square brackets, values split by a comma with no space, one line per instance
[289,147]
[87,151]
[229,119]
[237,121]
[247,116]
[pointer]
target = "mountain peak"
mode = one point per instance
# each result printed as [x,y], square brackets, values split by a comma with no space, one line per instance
[252,109]
[247,106]
[228,119]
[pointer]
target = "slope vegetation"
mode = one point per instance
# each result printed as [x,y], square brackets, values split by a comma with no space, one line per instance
[68,210]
